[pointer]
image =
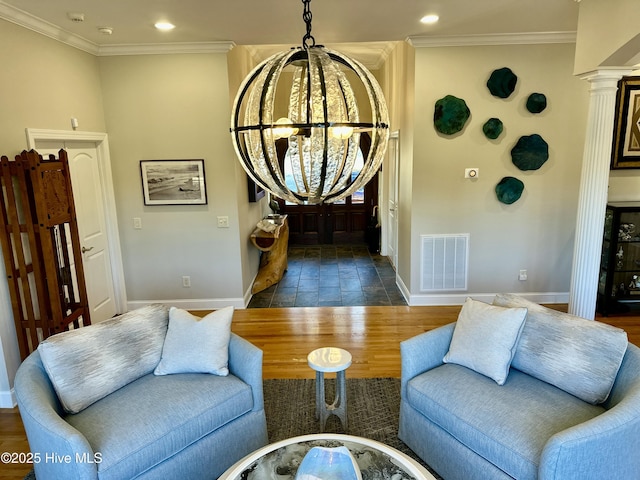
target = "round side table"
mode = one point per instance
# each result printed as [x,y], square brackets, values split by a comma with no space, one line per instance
[330,359]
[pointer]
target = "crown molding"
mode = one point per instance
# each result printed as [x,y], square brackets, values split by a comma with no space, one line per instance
[164,48]
[493,39]
[33,23]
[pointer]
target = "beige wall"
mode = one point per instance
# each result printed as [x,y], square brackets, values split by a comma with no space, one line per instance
[615,45]
[398,84]
[407,151]
[607,34]
[624,186]
[43,83]
[240,63]
[535,233]
[174,107]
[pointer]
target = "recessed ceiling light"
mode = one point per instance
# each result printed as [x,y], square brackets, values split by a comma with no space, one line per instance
[164,26]
[429,19]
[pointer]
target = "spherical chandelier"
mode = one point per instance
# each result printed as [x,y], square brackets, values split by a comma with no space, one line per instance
[296,125]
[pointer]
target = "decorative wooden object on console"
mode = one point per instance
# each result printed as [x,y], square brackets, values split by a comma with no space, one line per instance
[41,248]
[273,261]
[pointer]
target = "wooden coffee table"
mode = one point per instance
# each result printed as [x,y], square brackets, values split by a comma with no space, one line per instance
[280,460]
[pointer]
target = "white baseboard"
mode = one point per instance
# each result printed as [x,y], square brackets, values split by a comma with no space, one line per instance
[8,399]
[437,299]
[459,298]
[191,303]
[403,289]
[248,295]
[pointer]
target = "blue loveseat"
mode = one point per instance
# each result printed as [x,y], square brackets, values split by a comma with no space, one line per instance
[96,410]
[569,407]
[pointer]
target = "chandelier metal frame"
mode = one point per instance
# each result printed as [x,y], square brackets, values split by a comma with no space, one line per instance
[320,136]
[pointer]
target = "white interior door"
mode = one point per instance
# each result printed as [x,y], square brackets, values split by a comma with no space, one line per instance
[393,167]
[89,200]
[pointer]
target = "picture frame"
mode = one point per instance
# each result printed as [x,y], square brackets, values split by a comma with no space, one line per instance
[173,182]
[626,133]
[256,192]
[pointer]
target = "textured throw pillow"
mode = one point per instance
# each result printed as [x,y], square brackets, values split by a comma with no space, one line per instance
[485,338]
[89,363]
[196,345]
[580,356]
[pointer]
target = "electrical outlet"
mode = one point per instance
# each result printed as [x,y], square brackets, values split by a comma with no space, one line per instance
[186,281]
[137,223]
[523,275]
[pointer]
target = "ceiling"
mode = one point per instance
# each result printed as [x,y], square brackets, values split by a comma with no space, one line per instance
[269,22]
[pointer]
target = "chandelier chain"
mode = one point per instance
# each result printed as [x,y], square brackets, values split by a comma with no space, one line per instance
[308,40]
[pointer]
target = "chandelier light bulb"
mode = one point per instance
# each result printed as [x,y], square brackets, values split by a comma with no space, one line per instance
[282,128]
[342,132]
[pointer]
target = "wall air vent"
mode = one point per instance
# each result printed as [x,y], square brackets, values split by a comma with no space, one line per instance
[444,262]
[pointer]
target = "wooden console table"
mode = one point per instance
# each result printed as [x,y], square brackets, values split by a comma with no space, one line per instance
[273,261]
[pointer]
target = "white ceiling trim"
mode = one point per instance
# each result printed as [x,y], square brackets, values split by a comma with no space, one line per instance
[26,20]
[31,22]
[493,39]
[164,48]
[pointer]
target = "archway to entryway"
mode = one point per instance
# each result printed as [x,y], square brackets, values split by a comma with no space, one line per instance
[333,257]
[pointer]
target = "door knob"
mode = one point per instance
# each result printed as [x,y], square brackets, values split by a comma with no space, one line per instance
[85,250]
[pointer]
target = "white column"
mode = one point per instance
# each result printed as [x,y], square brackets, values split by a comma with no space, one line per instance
[594,183]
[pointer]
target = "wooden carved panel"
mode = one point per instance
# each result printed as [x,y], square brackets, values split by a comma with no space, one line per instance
[56,196]
[41,248]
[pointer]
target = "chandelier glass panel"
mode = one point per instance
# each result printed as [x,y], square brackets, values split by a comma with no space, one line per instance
[299,108]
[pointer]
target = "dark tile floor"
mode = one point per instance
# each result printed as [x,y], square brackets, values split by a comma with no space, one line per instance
[332,275]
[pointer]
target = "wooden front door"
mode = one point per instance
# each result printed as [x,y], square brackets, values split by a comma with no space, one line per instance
[344,222]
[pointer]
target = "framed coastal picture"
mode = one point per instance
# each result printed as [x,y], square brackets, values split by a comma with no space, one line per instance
[626,133]
[173,182]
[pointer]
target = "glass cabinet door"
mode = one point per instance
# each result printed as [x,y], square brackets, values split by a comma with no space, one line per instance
[619,282]
[627,255]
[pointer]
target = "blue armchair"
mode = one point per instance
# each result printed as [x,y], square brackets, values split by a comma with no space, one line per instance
[468,427]
[188,425]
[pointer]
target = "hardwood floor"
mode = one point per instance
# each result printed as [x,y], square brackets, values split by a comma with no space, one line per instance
[371,334]
[287,335]
[12,440]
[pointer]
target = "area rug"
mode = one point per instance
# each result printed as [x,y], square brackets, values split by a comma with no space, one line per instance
[373,410]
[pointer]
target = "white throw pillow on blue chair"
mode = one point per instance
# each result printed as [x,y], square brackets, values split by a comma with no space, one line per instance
[485,338]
